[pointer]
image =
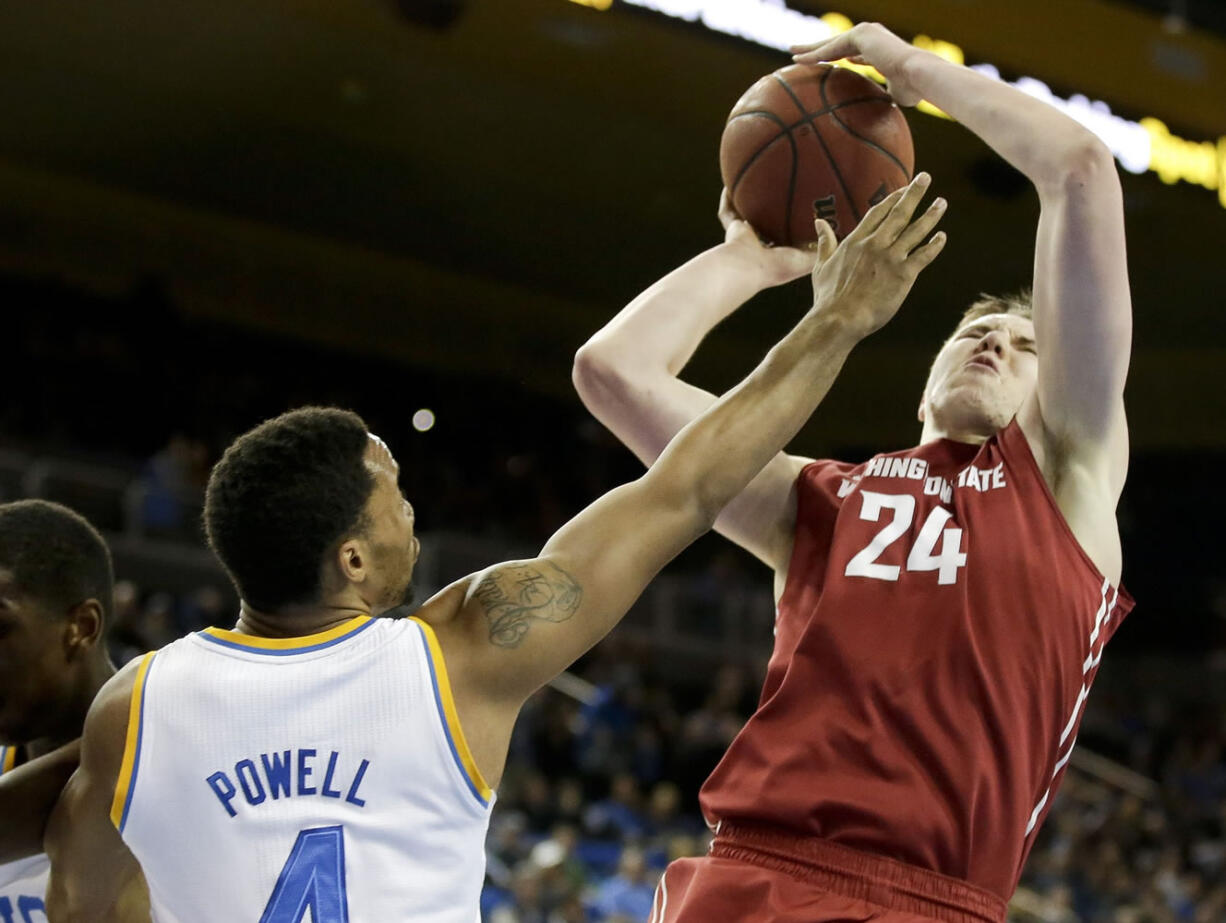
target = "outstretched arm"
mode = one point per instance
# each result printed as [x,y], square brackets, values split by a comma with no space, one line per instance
[521,623]
[627,374]
[1082,305]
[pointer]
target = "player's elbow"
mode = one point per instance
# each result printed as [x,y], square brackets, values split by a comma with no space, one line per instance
[1089,159]
[58,903]
[597,376]
[707,507]
[1084,162]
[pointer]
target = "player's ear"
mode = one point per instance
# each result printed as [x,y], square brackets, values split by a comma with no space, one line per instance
[920,414]
[84,628]
[352,559]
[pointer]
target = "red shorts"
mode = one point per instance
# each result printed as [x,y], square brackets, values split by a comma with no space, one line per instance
[760,876]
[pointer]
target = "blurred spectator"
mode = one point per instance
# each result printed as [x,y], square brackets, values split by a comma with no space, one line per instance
[172,483]
[627,896]
[126,636]
[620,815]
[205,607]
[537,802]
[707,732]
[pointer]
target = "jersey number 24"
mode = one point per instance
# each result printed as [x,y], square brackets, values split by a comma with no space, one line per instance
[313,876]
[923,555]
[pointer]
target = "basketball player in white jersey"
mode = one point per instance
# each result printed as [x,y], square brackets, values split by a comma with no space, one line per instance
[317,757]
[55,594]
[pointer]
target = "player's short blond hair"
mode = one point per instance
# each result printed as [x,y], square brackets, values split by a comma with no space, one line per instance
[1018,303]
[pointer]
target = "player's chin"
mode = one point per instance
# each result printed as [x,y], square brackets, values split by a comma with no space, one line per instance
[980,410]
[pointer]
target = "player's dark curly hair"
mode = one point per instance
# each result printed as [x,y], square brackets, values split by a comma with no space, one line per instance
[55,555]
[282,496]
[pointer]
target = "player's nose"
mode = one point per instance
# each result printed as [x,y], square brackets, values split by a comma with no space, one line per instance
[992,340]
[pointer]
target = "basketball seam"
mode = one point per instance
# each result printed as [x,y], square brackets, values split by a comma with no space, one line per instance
[834,167]
[831,108]
[859,137]
[783,130]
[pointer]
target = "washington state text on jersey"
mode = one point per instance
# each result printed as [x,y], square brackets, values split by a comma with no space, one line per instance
[916,469]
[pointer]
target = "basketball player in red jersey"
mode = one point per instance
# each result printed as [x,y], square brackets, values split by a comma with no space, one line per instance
[942,609]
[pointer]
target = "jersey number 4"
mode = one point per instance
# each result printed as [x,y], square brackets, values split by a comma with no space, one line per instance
[923,555]
[313,876]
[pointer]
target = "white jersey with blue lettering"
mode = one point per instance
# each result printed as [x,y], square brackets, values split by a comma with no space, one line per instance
[23,883]
[262,777]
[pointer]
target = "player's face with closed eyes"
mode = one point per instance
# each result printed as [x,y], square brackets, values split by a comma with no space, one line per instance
[982,375]
[392,535]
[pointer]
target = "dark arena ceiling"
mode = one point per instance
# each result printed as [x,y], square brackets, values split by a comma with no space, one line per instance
[483,196]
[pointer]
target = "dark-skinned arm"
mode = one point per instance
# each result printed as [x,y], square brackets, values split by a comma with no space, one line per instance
[27,796]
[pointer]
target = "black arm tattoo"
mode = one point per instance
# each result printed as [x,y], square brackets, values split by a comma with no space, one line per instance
[515,594]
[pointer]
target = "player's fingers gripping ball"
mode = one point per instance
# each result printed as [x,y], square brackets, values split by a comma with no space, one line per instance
[813,142]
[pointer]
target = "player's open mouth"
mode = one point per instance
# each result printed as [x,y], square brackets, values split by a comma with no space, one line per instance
[980,362]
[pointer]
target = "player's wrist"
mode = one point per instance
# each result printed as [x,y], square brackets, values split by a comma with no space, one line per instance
[916,68]
[842,322]
[750,262]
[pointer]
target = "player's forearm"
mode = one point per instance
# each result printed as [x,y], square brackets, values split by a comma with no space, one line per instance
[660,329]
[626,375]
[1037,139]
[27,797]
[721,451]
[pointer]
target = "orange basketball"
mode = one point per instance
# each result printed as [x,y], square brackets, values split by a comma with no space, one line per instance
[808,142]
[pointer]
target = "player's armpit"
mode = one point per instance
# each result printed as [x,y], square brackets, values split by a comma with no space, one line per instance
[91,866]
[762,517]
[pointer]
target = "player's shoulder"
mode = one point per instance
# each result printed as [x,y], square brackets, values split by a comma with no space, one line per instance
[106,724]
[442,609]
[814,471]
[116,692]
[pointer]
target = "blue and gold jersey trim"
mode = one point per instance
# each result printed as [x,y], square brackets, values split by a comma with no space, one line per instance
[125,784]
[280,647]
[451,721]
[8,759]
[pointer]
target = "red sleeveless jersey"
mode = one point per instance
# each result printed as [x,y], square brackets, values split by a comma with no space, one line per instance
[934,644]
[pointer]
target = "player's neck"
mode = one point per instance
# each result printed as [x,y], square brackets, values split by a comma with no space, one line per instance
[933,432]
[295,621]
[73,710]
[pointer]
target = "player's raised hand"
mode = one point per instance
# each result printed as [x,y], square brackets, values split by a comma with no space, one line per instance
[867,43]
[870,273]
[777,264]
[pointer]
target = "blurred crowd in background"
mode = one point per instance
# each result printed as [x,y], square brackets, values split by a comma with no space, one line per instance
[601,786]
